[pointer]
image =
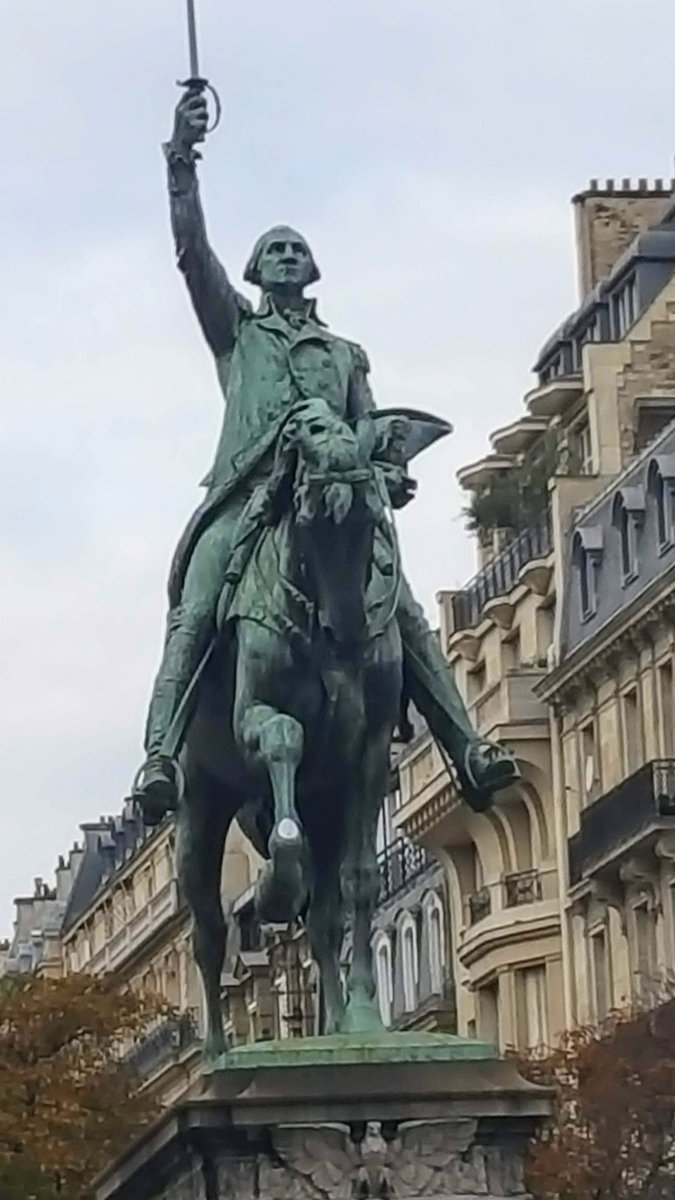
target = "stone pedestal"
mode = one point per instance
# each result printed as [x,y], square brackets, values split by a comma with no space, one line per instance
[452,1121]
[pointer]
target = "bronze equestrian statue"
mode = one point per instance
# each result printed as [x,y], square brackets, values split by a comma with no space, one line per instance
[293,643]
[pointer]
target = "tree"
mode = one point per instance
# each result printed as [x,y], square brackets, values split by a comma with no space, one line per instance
[69,1103]
[613,1133]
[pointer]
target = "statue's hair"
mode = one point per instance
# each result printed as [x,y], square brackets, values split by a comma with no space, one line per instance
[252,268]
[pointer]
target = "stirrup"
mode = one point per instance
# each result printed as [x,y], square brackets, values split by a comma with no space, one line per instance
[155,797]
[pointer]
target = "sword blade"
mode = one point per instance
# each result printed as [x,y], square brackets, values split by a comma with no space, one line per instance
[192,40]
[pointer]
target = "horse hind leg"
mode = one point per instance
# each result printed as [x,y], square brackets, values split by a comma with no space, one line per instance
[362,883]
[277,741]
[202,828]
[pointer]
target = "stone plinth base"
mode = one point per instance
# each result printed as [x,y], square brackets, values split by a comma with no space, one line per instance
[339,1130]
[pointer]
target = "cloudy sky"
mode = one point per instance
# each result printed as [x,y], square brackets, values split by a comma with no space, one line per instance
[428,149]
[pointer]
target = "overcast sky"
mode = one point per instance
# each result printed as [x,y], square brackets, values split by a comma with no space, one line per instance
[427,148]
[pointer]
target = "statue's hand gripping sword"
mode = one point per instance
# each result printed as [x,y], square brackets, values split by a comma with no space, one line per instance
[196,83]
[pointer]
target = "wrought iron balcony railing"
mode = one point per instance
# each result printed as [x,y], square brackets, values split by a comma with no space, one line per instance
[640,804]
[163,1044]
[400,864]
[480,905]
[498,577]
[522,887]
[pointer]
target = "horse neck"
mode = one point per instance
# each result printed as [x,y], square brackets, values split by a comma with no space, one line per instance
[332,562]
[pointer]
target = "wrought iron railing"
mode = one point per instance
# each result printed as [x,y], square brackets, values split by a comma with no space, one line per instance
[522,887]
[480,905]
[621,815]
[498,577]
[163,1044]
[400,864]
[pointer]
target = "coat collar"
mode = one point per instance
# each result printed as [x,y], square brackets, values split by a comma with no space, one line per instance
[269,314]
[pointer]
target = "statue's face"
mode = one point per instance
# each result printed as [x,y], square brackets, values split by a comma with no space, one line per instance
[285,262]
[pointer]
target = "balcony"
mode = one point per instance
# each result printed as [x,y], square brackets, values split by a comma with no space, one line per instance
[500,576]
[633,812]
[165,1044]
[476,474]
[518,436]
[511,701]
[480,905]
[553,397]
[522,887]
[401,864]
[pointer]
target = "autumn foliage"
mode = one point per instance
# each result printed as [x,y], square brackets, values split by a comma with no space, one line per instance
[68,1104]
[613,1134]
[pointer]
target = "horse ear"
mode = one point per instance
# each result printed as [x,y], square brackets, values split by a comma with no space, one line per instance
[365,436]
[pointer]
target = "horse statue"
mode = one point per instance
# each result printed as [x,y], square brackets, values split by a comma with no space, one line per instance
[298,705]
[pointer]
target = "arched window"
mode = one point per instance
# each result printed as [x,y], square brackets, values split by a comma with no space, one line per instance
[623,522]
[628,512]
[283,1005]
[586,555]
[435,932]
[409,963]
[383,977]
[660,477]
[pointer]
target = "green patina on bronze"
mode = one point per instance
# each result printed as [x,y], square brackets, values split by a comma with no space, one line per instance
[293,643]
[339,1050]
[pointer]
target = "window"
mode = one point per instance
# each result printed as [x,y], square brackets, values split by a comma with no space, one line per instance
[436,944]
[627,564]
[409,964]
[644,948]
[632,730]
[587,586]
[283,1005]
[587,548]
[383,977]
[477,680]
[600,974]
[666,709]
[652,416]
[531,1005]
[488,1013]
[624,308]
[589,761]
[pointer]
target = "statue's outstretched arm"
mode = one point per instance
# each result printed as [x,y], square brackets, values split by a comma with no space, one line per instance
[215,300]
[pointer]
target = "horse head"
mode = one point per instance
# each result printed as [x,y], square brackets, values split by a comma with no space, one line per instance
[323,476]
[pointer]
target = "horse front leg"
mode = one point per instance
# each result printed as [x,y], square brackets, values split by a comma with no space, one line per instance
[272,740]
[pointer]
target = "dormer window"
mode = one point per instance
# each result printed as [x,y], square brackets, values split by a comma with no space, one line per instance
[624,307]
[586,555]
[627,516]
[661,482]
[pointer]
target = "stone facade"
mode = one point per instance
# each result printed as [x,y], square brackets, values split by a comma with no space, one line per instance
[605,390]
[613,702]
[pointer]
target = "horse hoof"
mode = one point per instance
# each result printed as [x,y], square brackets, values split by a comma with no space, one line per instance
[281,892]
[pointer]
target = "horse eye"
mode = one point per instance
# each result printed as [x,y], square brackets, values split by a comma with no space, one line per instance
[317,427]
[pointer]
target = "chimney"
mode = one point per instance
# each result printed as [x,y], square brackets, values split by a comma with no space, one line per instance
[608,216]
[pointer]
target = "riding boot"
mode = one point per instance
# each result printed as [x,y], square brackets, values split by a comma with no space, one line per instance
[481,766]
[157,790]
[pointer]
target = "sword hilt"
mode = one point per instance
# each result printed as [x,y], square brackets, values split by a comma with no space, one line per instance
[196,85]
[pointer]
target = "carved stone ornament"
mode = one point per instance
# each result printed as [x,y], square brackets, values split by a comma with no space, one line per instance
[430,1158]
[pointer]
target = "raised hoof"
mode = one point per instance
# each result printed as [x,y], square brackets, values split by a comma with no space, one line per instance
[281,891]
